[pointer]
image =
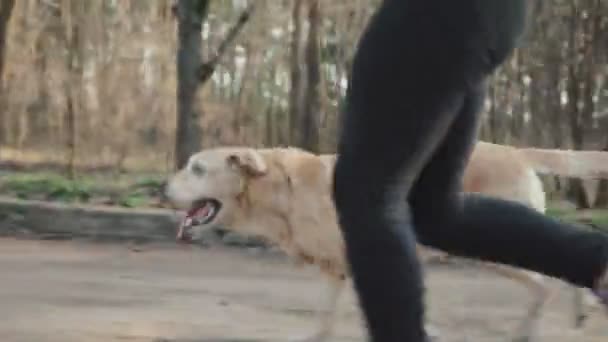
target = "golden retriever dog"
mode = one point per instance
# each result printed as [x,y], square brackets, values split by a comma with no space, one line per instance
[284,196]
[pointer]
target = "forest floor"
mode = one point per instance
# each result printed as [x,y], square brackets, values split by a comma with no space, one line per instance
[75,291]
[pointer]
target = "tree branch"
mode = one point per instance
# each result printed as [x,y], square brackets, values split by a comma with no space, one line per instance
[207,68]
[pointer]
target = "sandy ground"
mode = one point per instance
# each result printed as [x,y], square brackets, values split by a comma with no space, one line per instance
[80,292]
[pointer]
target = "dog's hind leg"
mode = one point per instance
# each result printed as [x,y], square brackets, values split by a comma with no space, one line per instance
[529,326]
[584,303]
[580,305]
[580,312]
[329,309]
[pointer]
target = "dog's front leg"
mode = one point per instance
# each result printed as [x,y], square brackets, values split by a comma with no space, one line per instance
[330,307]
[327,310]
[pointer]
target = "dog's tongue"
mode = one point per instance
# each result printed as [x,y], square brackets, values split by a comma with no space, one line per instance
[190,220]
[198,212]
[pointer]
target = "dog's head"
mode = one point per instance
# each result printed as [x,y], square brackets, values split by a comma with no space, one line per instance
[210,185]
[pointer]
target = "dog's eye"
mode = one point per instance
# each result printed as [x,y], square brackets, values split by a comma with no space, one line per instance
[198,169]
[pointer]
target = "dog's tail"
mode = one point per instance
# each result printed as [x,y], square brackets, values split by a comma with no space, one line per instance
[569,163]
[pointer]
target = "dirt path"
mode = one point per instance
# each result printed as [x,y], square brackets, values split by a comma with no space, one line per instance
[80,292]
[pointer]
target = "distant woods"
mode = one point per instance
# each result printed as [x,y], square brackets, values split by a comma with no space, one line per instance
[139,85]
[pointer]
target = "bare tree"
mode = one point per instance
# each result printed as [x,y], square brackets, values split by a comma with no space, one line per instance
[263,90]
[311,115]
[601,201]
[190,15]
[295,66]
[584,26]
[71,14]
[206,69]
[192,72]
[305,92]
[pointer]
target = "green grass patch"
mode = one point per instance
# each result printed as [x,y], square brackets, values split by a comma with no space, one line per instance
[598,217]
[149,183]
[133,199]
[47,186]
[558,212]
[129,191]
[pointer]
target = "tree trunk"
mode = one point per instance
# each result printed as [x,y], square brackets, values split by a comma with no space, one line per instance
[70,119]
[576,191]
[601,200]
[295,91]
[270,126]
[71,14]
[6,9]
[597,52]
[310,137]
[243,95]
[190,15]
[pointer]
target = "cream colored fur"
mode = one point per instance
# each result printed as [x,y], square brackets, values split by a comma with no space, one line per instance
[507,171]
[283,195]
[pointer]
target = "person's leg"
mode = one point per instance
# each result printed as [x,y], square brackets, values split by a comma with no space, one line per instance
[497,230]
[372,211]
[376,224]
[401,102]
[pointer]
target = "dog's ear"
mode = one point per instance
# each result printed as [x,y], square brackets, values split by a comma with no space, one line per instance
[248,161]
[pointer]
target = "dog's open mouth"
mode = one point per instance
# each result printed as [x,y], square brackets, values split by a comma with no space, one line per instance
[202,212]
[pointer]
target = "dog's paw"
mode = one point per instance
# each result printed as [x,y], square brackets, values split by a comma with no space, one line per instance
[432,333]
[523,339]
[579,320]
[525,336]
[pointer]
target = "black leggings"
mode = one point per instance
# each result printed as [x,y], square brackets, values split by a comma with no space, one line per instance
[409,127]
